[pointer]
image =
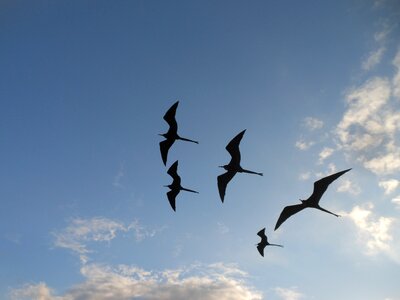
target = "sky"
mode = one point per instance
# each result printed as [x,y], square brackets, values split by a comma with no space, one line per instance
[84,86]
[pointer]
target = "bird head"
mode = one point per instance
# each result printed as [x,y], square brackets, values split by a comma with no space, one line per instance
[168,186]
[224,167]
[302,201]
[163,134]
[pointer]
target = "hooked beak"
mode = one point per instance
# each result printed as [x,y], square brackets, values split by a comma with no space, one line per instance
[220,166]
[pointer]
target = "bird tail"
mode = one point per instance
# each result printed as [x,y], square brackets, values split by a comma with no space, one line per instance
[187,190]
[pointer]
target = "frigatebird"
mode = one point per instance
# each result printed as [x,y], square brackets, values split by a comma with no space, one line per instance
[175,186]
[320,187]
[234,165]
[264,242]
[172,135]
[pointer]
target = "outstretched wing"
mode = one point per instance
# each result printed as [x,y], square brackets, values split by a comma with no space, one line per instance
[287,212]
[223,181]
[169,117]
[261,233]
[171,198]
[164,148]
[321,185]
[173,171]
[233,147]
[260,248]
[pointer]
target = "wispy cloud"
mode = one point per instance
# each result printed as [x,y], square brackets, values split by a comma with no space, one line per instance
[288,293]
[197,282]
[81,232]
[373,59]
[222,228]
[348,186]
[389,185]
[313,123]
[305,176]
[325,153]
[304,145]
[118,177]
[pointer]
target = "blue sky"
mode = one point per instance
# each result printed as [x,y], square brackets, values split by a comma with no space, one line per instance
[84,86]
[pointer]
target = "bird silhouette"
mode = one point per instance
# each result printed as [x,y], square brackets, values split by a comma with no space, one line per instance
[320,187]
[234,165]
[264,242]
[172,135]
[175,186]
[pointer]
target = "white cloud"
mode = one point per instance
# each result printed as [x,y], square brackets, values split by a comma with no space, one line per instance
[288,293]
[313,123]
[197,282]
[369,127]
[381,36]
[396,202]
[349,187]
[118,177]
[375,233]
[222,228]
[80,232]
[396,77]
[303,145]
[304,176]
[373,59]
[389,185]
[325,153]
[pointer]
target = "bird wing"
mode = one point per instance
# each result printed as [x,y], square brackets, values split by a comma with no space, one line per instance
[260,249]
[233,147]
[169,117]
[321,185]
[173,171]
[171,198]
[164,148]
[261,233]
[223,180]
[287,212]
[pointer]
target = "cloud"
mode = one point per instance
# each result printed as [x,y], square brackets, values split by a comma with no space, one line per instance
[303,145]
[198,282]
[375,233]
[313,123]
[325,153]
[349,187]
[118,177]
[304,176]
[389,185]
[80,232]
[396,202]
[373,59]
[396,77]
[222,228]
[368,129]
[288,293]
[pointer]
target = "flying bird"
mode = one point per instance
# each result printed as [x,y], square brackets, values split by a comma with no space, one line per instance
[320,187]
[234,165]
[172,135]
[264,242]
[175,186]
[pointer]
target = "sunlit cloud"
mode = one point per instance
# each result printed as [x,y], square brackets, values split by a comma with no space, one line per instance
[396,77]
[325,153]
[389,185]
[305,176]
[81,232]
[289,293]
[348,186]
[198,282]
[303,145]
[375,233]
[396,202]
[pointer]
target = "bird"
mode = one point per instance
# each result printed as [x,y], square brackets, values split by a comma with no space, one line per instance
[172,134]
[175,186]
[320,187]
[234,165]
[264,242]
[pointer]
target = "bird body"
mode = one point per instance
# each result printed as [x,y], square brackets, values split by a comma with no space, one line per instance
[320,187]
[175,187]
[172,134]
[234,165]
[264,242]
